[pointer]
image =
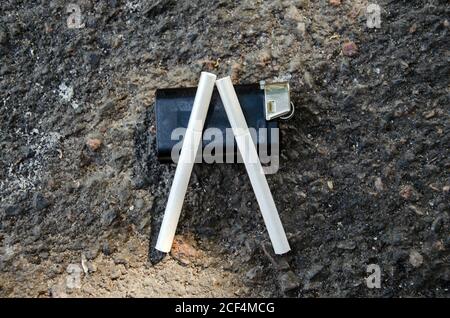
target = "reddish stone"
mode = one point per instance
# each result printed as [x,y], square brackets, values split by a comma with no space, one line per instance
[94,144]
[349,49]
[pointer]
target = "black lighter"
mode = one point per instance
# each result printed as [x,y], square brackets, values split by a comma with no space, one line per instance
[262,104]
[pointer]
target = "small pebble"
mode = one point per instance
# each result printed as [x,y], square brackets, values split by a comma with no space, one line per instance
[330,185]
[379,184]
[108,217]
[40,202]
[116,273]
[236,70]
[183,251]
[301,28]
[416,210]
[94,144]
[264,57]
[415,258]
[349,49]
[335,2]
[346,245]
[288,281]
[429,114]
[407,192]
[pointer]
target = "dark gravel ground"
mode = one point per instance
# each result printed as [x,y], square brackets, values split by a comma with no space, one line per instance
[364,176]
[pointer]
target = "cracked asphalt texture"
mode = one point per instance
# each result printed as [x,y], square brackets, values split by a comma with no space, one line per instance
[364,175]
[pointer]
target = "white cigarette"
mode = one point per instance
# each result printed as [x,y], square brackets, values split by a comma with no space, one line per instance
[253,165]
[191,142]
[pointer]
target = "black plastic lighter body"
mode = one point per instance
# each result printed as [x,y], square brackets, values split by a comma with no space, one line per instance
[173,107]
